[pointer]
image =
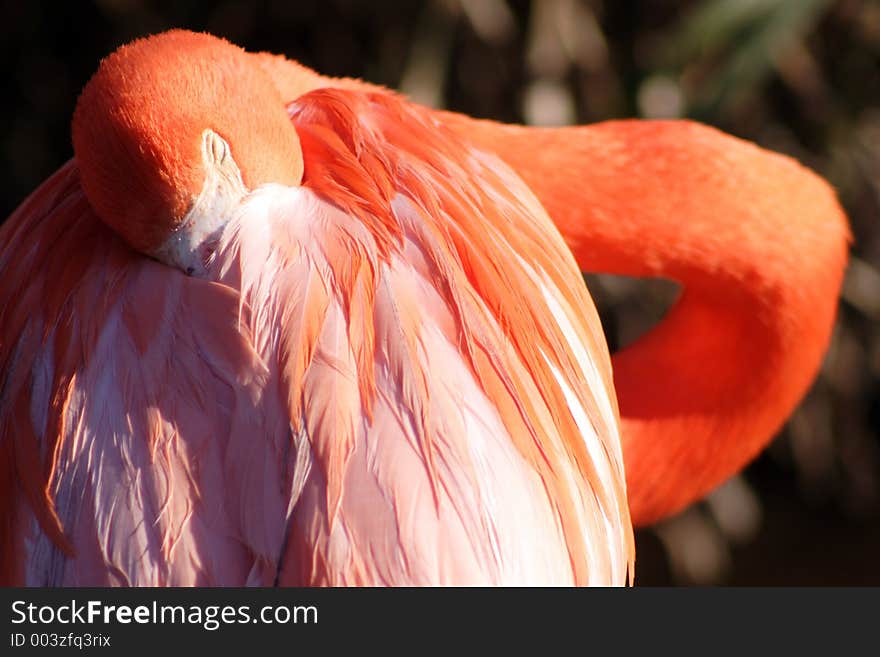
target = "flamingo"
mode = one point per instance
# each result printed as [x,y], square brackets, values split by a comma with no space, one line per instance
[268,327]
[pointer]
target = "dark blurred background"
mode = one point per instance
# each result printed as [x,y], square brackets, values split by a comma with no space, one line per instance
[797,76]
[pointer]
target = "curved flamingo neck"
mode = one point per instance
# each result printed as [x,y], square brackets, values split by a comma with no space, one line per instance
[759,244]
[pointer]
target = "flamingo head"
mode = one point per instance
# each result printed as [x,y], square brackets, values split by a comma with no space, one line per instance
[169,135]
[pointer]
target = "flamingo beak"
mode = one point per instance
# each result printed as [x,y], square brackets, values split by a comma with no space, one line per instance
[191,247]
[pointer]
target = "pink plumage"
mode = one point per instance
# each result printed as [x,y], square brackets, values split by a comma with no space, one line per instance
[382,376]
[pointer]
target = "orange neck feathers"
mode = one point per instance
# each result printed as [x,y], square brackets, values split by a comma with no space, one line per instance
[139,124]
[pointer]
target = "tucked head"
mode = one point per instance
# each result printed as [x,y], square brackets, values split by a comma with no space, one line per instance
[170,130]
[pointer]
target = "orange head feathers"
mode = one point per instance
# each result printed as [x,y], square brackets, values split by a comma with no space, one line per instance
[146,125]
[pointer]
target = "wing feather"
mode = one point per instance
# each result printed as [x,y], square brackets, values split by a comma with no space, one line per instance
[448,369]
[146,448]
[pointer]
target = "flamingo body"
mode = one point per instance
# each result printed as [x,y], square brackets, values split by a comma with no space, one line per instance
[341,342]
[381,379]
